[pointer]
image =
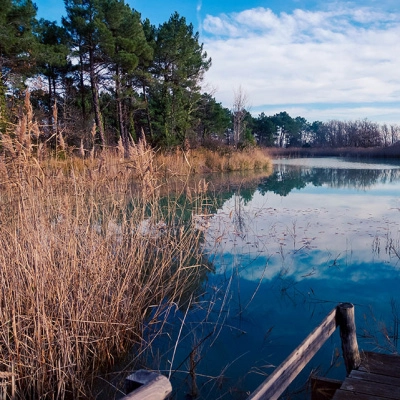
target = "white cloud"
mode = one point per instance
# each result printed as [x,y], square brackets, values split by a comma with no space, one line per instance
[337,56]
[198,13]
[309,233]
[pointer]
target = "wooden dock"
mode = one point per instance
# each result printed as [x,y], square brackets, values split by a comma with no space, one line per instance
[377,377]
[370,376]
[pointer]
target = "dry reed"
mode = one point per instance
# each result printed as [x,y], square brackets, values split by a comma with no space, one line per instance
[85,256]
[203,160]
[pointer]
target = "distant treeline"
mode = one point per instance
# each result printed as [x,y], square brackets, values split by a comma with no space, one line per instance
[106,77]
[281,130]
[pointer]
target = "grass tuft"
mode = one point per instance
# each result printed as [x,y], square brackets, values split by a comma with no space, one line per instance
[204,160]
[87,250]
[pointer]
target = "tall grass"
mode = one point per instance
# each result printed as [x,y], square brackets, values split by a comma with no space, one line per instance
[202,160]
[87,256]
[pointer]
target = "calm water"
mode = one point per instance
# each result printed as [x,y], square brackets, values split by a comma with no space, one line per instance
[315,233]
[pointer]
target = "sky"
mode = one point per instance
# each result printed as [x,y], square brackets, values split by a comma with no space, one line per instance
[318,59]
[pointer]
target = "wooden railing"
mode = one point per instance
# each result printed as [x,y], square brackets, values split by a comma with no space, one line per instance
[280,379]
[150,385]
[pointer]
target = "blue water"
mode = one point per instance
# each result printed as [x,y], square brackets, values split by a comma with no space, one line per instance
[285,252]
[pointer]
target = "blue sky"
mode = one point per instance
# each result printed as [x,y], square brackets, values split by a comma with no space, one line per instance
[317,59]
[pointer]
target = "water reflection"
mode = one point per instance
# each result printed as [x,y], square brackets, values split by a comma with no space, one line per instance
[285,252]
[289,175]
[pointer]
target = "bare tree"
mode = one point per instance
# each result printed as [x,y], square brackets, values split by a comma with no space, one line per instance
[239,113]
[385,133]
[369,134]
[395,133]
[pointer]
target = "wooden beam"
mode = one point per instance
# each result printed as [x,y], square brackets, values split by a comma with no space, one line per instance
[283,375]
[147,385]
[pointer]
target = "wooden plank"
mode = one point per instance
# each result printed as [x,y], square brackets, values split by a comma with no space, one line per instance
[384,364]
[323,388]
[283,375]
[371,388]
[377,378]
[345,395]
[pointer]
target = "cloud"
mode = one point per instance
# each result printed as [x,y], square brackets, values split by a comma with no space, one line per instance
[198,14]
[310,231]
[335,56]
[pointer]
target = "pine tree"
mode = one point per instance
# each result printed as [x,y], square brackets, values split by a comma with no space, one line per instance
[52,56]
[178,68]
[125,46]
[213,118]
[83,23]
[18,46]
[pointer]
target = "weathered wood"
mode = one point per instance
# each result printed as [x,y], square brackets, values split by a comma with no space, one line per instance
[283,375]
[378,377]
[370,377]
[372,388]
[383,364]
[324,388]
[345,320]
[343,395]
[147,385]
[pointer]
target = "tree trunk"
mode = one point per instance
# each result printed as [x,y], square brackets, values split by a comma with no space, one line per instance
[147,112]
[82,86]
[3,107]
[120,116]
[95,98]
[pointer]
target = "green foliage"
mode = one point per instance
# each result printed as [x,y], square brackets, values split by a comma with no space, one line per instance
[52,55]
[18,48]
[265,130]
[18,44]
[122,36]
[213,119]
[282,130]
[84,23]
[178,67]
[287,129]
[249,139]
[124,44]
[53,46]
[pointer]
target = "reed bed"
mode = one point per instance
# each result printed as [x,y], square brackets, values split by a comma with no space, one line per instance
[88,256]
[203,160]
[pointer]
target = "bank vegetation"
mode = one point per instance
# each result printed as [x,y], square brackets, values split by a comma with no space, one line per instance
[89,257]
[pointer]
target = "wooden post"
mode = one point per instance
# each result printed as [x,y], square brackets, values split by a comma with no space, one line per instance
[347,325]
[147,385]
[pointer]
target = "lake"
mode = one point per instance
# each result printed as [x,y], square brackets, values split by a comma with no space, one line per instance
[286,251]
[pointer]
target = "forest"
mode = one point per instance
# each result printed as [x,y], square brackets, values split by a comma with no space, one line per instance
[104,77]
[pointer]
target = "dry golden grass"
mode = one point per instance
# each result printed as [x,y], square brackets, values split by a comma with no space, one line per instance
[85,254]
[203,160]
